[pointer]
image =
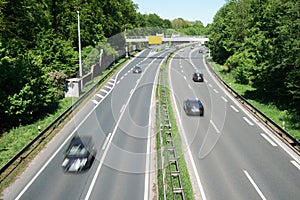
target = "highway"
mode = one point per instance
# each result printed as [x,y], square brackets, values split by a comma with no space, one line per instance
[230,153]
[118,119]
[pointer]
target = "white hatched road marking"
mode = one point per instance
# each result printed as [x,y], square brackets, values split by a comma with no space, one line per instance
[110,83]
[100,96]
[95,102]
[106,86]
[105,91]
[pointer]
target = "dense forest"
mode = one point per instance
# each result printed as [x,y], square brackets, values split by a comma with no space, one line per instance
[39,48]
[259,43]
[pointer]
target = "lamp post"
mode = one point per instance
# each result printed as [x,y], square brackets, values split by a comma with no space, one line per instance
[79,47]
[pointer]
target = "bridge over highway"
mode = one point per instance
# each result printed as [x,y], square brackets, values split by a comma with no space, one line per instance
[158,39]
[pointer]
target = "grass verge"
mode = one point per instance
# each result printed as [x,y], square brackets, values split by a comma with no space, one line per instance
[13,141]
[291,123]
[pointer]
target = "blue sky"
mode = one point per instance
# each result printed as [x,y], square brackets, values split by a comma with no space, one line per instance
[203,10]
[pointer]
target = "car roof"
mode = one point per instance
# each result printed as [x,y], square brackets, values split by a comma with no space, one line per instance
[77,140]
[197,73]
[194,100]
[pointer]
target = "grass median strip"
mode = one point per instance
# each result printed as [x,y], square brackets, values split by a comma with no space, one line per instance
[166,181]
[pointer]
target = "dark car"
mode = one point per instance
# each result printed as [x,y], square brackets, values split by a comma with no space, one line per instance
[137,69]
[198,77]
[193,107]
[79,155]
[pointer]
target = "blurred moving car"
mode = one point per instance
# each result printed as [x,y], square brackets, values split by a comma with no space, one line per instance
[79,155]
[193,107]
[198,77]
[137,69]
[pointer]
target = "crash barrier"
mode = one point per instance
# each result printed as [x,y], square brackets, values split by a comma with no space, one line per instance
[25,152]
[168,154]
[279,132]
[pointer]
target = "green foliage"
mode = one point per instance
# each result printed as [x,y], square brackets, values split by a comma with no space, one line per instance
[189,28]
[38,50]
[259,42]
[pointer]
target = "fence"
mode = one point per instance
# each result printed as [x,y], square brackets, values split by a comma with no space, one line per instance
[280,132]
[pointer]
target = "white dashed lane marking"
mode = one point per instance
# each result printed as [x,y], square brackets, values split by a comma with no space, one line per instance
[234,108]
[216,91]
[248,121]
[268,139]
[224,99]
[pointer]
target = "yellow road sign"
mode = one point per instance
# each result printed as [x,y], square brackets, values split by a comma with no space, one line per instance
[155,39]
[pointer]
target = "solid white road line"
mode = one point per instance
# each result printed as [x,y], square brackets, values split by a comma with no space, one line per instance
[254,185]
[89,192]
[248,121]
[234,108]
[122,109]
[295,164]
[268,139]
[200,187]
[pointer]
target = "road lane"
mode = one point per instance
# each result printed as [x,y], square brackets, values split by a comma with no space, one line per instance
[227,145]
[122,173]
[95,119]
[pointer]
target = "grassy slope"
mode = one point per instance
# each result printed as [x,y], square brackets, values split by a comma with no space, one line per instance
[278,116]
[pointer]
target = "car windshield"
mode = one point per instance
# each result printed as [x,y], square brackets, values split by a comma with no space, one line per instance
[194,104]
[77,150]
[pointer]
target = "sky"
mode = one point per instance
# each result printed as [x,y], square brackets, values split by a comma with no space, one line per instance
[191,10]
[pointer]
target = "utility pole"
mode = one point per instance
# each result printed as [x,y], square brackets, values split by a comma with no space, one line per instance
[79,47]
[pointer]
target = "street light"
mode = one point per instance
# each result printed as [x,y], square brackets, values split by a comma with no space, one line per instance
[79,47]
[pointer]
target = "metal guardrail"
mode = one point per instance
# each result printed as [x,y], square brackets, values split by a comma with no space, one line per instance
[41,136]
[168,152]
[279,132]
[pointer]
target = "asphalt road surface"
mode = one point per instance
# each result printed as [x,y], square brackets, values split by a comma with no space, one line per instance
[118,118]
[231,154]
